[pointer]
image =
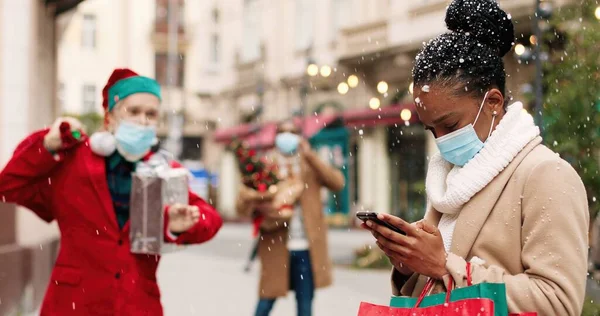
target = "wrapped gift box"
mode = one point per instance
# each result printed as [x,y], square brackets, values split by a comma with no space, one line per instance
[154,187]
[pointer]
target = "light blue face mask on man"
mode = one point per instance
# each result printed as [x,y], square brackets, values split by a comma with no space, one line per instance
[460,146]
[287,143]
[134,140]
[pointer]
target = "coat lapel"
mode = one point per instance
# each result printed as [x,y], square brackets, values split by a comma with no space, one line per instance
[474,214]
[97,175]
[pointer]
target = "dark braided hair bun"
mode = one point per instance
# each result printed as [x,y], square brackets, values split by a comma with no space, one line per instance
[484,20]
[468,59]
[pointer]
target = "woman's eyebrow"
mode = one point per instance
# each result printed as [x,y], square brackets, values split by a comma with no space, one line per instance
[443,118]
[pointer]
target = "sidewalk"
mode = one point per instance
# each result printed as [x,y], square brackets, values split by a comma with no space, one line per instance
[342,242]
[209,279]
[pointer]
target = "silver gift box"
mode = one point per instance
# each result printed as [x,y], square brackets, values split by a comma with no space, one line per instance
[154,187]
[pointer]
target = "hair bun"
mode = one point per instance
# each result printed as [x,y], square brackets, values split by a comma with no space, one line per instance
[484,20]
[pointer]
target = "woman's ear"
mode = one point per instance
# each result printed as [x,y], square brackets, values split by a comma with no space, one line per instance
[495,101]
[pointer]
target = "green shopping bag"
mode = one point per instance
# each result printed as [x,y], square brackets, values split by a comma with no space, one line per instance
[492,291]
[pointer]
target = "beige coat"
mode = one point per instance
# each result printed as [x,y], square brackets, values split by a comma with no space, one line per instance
[273,252]
[530,226]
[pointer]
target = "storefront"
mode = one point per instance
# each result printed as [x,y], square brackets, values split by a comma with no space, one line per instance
[381,153]
[407,145]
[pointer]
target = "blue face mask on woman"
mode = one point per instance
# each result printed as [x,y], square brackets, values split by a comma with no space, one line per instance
[134,140]
[460,146]
[287,143]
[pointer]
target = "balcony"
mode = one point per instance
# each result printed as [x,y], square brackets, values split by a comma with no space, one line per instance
[160,33]
[197,113]
[517,8]
[427,7]
[160,38]
[62,6]
[249,74]
[364,39]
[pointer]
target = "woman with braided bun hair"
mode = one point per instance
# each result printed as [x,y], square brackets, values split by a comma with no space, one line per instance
[497,197]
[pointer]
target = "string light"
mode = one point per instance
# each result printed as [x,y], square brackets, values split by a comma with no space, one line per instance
[353,81]
[374,103]
[382,87]
[343,88]
[325,71]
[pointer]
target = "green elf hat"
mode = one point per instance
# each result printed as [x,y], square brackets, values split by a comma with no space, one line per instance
[124,82]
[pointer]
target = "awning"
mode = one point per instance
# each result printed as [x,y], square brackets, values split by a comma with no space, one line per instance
[63,6]
[263,136]
[240,131]
[384,116]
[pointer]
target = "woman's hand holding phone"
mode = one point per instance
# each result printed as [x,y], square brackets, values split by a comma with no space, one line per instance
[421,250]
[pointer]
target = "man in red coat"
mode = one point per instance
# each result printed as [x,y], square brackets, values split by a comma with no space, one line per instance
[84,184]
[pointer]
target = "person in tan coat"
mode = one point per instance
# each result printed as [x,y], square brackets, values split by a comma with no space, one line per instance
[497,197]
[293,245]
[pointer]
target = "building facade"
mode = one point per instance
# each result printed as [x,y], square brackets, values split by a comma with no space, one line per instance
[354,54]
[29,32]
[231,68]
[106,34]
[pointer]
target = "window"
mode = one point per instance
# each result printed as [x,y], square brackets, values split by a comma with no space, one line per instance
[252,31]
[341,11]
[215,16]
[191,148]
[161,62]
[215,40]
[305,22]
[215,49]
[162,14]
[60,95]
[89,98]
[88,31]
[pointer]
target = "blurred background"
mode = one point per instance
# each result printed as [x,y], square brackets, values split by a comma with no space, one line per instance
[231,69]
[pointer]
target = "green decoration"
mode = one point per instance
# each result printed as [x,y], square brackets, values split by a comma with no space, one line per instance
[572,84]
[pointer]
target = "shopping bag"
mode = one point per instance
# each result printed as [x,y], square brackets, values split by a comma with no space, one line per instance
[485,299]
[462,307]
[495,292]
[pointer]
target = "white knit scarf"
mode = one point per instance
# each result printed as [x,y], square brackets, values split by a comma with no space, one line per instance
[450,187]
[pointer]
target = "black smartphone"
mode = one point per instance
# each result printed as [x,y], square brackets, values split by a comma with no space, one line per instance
[372,216]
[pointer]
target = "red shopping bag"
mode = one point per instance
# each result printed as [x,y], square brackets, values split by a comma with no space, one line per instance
[465,307]
[467,303]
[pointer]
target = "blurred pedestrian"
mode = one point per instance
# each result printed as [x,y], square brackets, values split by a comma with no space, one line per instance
[293,244]
[84,184]
[497,196]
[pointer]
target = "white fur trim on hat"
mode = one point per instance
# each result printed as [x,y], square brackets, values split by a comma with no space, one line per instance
[103,143]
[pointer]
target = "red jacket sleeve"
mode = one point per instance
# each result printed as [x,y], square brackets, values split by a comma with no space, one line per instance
[27,177]
[207,227]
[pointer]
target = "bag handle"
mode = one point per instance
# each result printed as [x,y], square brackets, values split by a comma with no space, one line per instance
[431,282]
[429,286]
[469,276]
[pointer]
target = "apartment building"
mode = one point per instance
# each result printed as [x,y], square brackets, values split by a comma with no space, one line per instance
[243,64]
[354,58]
[29,33]
[106,34]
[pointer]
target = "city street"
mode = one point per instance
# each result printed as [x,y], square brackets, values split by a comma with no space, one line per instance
[209,279]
